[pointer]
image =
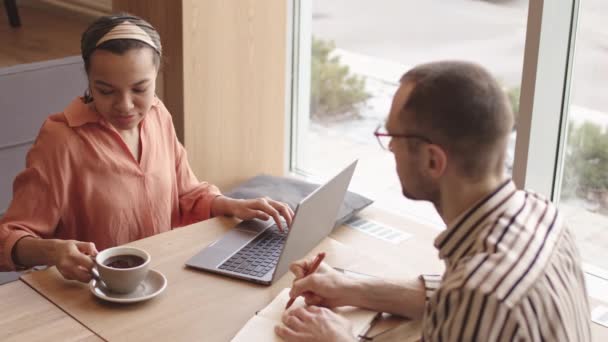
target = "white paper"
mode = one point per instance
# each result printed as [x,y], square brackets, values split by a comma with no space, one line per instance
[379,230]
[599,315]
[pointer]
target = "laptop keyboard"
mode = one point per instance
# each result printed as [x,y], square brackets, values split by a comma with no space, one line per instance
[259,256]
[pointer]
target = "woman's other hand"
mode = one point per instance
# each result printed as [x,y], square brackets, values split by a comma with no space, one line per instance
[72,258]
[261,208]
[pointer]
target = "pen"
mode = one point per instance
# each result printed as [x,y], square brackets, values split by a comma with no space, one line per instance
[311,270]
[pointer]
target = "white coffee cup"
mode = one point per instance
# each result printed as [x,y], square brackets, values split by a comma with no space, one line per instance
[121,280]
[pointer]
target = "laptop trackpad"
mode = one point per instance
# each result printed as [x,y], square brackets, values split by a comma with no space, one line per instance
[254,226]
[240,235]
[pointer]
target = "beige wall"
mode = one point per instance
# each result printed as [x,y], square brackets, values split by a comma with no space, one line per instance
[227,72]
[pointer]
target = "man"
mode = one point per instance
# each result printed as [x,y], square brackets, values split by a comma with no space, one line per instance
[512,269]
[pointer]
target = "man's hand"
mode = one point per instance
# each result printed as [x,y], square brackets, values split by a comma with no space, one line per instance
[313,323]
[259,208]
[326,287]
[330,288]
[73,259]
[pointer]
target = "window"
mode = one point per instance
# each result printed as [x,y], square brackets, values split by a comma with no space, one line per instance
[349,67]
[583,193]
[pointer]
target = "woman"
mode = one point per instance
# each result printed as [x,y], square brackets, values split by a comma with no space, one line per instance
[109,169]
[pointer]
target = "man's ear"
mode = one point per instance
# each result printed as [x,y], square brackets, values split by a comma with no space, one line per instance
[437,160]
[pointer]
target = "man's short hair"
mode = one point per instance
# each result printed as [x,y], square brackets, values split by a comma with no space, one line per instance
[462,108]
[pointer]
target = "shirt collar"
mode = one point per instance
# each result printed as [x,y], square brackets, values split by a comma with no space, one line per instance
[452,240]
[79,113]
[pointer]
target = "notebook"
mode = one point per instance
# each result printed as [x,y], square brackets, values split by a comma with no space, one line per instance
[261,326]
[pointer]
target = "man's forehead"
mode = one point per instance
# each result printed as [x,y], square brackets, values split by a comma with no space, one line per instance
[401,96]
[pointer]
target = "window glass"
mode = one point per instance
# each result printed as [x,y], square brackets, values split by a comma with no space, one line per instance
[584,187]
[357,61]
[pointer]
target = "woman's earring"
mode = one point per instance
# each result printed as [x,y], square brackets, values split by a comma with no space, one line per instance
[87,96]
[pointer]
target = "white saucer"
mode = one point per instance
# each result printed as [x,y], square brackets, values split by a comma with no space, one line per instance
[154,283]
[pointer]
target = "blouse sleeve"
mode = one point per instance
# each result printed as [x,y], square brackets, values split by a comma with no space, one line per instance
[194,197]
[38,193]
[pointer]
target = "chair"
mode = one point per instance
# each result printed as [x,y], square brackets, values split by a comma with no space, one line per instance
[12,12]
[31,92]
[7,277]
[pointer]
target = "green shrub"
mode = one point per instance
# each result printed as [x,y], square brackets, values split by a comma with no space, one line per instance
[586,164]
[334,93]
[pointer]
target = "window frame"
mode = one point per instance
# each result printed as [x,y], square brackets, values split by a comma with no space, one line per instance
[300,46]
[542,121]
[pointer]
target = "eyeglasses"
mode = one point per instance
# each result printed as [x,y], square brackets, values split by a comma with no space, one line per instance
[384,138]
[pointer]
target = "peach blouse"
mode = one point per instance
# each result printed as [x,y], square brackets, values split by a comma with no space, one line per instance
[81,182]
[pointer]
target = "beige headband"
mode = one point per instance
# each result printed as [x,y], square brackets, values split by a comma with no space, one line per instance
[128,30]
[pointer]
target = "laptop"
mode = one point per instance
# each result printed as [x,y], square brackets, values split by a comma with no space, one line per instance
[257,251]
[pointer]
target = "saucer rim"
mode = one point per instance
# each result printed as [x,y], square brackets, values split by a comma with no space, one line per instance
[100,295]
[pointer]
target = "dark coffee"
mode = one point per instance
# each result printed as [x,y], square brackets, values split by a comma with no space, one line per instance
[124,261]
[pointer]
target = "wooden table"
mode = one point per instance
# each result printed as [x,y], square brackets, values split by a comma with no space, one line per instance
[195,305]
[27,316]
[201,306]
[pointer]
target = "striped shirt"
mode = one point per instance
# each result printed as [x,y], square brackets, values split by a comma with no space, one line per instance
[513,272]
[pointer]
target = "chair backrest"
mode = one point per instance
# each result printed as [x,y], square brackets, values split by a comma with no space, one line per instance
[29,93]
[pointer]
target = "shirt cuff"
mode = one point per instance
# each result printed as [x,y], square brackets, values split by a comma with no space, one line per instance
[431,283]
[7,255]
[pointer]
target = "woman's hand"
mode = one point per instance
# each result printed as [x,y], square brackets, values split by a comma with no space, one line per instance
[261,208]
[73,259]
